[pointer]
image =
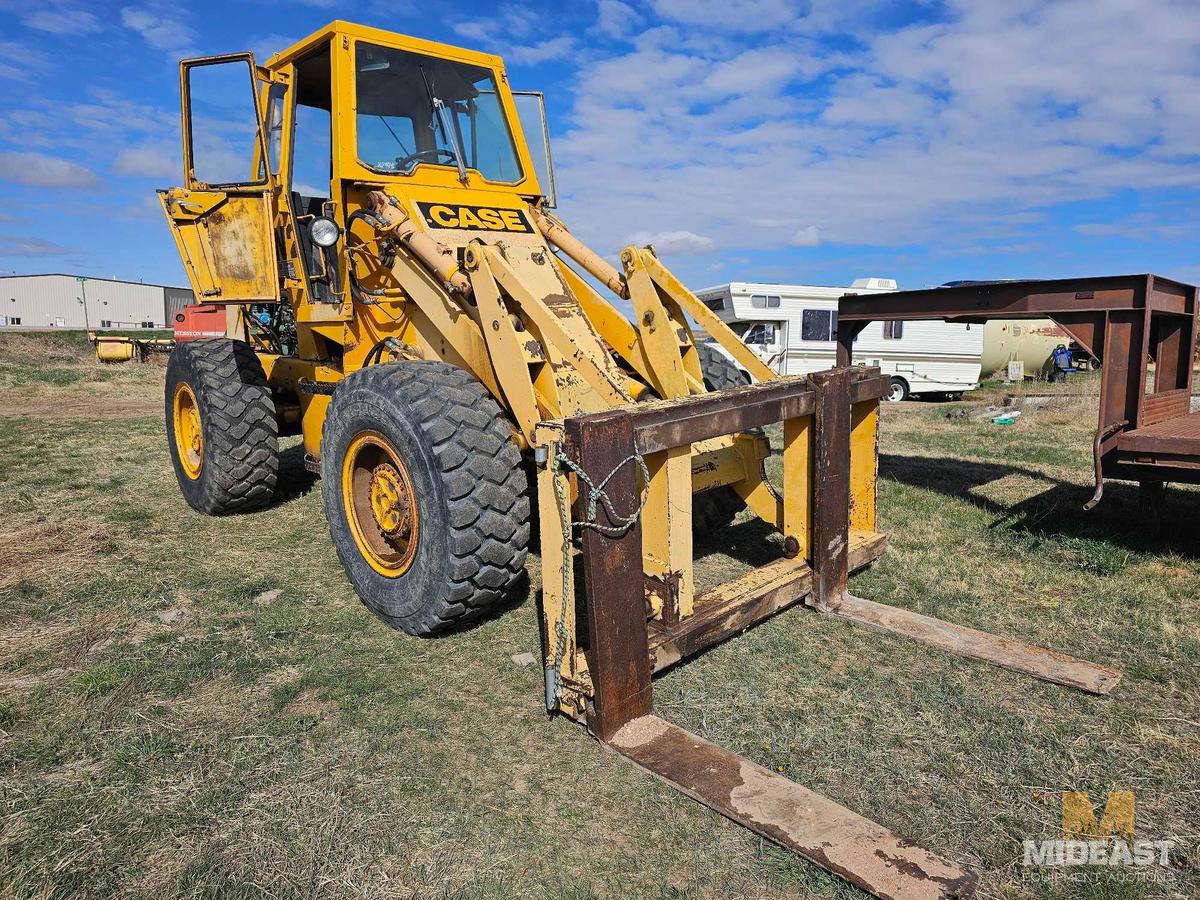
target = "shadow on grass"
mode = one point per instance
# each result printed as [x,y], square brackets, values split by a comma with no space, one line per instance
[1122,517]
[747,542]
[294,480]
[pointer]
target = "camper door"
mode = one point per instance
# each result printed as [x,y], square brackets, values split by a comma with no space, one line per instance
[766,340]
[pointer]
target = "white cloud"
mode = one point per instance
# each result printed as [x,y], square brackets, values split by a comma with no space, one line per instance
[61,18]
[159,30]
[149,161]
[43,170]
[480,30]
[808,236]
[543,51]
[754,70]
[268,45]
[25,245]
[953,133]
[20,62]
[616,19]
[734,15]
[681,243]
[505,24]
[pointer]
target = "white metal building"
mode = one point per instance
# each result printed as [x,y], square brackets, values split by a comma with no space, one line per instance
[57,301]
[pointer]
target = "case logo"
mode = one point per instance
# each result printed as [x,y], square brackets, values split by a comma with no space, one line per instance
[475,218]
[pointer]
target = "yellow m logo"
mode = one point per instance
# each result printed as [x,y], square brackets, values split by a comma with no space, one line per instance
[1079,816]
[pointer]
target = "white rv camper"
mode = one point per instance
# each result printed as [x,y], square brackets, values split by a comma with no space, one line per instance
[792,328]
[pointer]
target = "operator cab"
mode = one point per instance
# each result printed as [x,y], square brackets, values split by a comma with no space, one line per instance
[289,150]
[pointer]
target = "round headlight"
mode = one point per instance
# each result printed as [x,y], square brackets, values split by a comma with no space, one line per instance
[325,232]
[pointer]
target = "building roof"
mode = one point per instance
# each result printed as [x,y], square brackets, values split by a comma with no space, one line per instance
[174,287]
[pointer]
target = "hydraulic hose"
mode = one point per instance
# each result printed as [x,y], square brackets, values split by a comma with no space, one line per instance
[557,234]
[441,260]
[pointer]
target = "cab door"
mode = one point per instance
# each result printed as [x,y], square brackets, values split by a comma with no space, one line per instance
[223,216]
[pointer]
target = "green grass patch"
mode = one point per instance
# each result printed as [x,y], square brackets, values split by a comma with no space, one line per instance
[197,707]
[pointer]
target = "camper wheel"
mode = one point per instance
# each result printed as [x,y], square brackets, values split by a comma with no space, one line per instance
[897,390]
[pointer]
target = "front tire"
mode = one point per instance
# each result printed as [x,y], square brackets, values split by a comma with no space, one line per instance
[425,494]
[221,427]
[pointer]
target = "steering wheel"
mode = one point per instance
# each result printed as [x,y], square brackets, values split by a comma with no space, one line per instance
[404,162]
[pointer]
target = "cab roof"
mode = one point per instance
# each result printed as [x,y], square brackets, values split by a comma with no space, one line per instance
[353,31]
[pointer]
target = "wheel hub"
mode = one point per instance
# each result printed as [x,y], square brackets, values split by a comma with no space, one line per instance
[189,432]
[390,502]
[380,503]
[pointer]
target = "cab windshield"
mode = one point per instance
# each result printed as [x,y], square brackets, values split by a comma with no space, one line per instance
[420,110]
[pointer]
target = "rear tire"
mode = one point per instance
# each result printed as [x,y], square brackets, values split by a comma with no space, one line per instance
[716,508]
[221,426]
[461,550]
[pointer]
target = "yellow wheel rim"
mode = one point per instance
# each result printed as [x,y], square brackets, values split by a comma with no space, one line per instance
[189,435]
[380,504]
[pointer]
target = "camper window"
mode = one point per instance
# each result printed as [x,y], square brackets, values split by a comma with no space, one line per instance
[818,325]
[762,334]
[893,329]
[764,301]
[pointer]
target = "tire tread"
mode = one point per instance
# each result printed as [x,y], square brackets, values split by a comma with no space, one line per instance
[241,433]
[485,486]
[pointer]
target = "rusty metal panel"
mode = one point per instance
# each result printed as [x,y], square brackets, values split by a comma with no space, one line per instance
[242,241]
[1006,299]
[1086,328]
[1007,653]
[1166,405]
[826,833]
[1179,435]
[227,242]
[831,476]
[616,608]
[666,424]
[1124,368]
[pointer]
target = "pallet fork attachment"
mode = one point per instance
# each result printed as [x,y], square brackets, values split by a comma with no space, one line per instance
[601,671]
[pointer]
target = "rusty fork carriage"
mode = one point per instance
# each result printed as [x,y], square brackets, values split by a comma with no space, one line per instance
[600,667]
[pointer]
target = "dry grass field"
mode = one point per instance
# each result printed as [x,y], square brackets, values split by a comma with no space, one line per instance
[196,707]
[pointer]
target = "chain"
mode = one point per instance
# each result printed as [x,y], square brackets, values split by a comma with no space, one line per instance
[596,497]
[554,671]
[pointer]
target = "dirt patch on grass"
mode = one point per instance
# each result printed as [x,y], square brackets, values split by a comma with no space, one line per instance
[219,705]
[24,635]
[48,552]
[310,705]
[41,347]
[52,376]
[82,407]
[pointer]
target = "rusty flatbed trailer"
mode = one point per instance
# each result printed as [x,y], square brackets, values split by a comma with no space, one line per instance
[1146,431]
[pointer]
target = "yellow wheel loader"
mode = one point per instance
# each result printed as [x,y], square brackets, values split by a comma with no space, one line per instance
[372,211]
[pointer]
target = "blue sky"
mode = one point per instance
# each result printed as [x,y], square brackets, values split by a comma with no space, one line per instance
[768,140]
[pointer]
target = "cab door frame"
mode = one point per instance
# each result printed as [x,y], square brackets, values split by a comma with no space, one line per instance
[226,232]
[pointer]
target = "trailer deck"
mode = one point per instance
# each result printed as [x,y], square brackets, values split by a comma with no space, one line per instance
[1146,431]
